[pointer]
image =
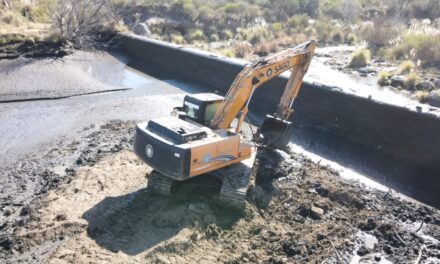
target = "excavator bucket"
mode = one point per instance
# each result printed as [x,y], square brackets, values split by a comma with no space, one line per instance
[275,132]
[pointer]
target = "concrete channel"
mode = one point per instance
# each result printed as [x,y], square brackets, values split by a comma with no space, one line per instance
[395,144]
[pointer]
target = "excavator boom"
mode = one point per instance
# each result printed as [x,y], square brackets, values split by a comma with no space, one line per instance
[275,128]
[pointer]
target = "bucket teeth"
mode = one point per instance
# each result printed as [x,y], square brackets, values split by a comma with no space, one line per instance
[159,184]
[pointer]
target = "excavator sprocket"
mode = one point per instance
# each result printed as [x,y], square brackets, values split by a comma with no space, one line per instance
[159,184]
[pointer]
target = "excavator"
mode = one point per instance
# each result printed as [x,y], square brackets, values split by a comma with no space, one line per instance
[203,136]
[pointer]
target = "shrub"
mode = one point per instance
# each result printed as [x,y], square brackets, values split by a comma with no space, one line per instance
[228,53]
[214,37]
[418,46]
[265,48]
[324,30]
[338,36]
[258,35]
[380,34]
[177,39]
[242,50]
[422,96]
[405,67]
[410,81]
[384,78]
[12,18]
[195,35]
[277,27]
[227,34]
[36,14]
[351,38]
[360,58]
[298,22]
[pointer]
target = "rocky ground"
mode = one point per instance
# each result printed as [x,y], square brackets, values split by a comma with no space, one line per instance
[90,204]
[428,82]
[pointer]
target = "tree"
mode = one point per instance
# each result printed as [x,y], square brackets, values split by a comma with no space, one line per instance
[79,20]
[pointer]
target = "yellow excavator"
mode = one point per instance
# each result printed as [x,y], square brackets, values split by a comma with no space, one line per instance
[199,137]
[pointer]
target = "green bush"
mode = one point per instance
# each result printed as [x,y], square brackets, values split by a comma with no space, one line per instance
[360,58]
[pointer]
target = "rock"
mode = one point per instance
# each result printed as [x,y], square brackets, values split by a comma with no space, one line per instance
[61,217]
[158,24]
[437,83]
[434,98]
[316,212]
[362,251]
[6,243]
[366,70]
[141,29]
[368,226]
[196,207]
[425,86]
[397,80]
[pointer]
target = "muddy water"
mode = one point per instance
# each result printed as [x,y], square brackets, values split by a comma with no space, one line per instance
[28,126]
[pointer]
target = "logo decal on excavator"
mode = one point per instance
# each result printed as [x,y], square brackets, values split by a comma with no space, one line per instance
[269,72]
[282,66]
[149,151]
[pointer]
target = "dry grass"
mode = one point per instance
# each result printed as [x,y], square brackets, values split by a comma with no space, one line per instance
[360,58]
[411,81]
[384,78]
[242,50]
[266,48]
[421,47]
[422,96]
[405,67]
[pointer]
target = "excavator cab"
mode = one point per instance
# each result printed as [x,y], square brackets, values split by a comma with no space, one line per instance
[200,108]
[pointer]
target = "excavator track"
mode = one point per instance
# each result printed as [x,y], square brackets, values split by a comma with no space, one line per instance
[233,191]
[159,184]
[235,182]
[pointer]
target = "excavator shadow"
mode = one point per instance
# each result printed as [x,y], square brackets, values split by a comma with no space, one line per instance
[138,221]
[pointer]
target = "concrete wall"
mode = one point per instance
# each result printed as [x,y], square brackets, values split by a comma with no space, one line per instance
[405,134]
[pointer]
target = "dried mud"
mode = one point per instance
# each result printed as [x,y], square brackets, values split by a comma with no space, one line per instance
[92,206]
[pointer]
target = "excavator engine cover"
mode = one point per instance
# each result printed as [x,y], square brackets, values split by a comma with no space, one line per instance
[275,132]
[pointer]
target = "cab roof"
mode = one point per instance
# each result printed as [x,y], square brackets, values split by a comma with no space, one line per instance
[206,97]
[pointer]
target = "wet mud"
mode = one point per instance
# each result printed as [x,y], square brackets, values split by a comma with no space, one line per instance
[96,209]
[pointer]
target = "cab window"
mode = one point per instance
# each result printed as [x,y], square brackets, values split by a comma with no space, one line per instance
[210,112]
[192,110]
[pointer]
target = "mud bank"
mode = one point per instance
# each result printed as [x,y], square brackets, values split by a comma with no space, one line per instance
[399,135]
[297,211]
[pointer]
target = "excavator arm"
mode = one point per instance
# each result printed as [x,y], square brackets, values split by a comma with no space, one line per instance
[240,93]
